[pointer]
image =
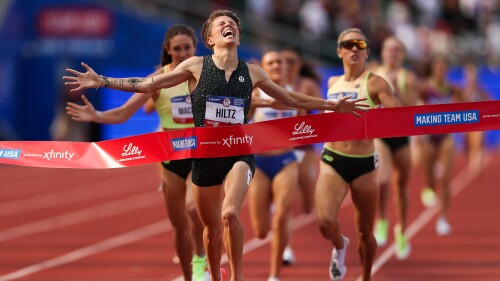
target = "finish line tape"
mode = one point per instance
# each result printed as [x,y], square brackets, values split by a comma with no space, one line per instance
[255,137]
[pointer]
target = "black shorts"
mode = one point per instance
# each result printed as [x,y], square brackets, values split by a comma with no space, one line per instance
[396,143]
[349,168]
[213,171]
[179,167]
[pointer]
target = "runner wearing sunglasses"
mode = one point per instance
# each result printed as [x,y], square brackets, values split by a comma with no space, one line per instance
[350,165]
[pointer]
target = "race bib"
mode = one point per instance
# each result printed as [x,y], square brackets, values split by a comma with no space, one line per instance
[182,111]
[224,111]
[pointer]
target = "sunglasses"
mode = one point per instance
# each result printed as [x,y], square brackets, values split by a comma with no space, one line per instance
[349,44]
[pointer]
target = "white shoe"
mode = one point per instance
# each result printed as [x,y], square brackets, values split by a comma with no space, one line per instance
[288,256]
[338,269]
[443,228]
[273,279]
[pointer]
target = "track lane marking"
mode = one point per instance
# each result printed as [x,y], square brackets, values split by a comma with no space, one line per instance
[459,183]
[114,242]
[140,234]
[89,214]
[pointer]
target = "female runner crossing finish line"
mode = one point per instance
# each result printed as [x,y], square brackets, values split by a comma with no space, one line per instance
[221,75]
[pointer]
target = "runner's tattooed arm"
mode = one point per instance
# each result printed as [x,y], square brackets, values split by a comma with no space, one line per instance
[121,82]
[90,79]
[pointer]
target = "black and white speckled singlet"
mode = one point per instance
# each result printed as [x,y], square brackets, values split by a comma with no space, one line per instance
[212,171]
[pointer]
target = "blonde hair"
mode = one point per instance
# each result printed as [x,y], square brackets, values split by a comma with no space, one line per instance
[349,30]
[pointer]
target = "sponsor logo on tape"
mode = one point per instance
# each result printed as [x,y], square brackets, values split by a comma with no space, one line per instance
[232,140]
[303,131]
[184,143]
[131,152]
[10,153]
[446,118]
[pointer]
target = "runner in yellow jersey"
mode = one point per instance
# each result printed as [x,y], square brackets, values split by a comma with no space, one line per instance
[350,165]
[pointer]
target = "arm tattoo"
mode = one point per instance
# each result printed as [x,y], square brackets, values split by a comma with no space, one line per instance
[121,83]
[117,82]
[106,81]
[134,81]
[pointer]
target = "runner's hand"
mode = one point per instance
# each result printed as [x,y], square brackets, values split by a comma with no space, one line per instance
[346,105]
[82,113]
[81,81]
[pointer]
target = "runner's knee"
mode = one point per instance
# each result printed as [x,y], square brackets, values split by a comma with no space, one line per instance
[328,226]
[280,219]
[365,232]
[230,218]
[260,232]
[213,233]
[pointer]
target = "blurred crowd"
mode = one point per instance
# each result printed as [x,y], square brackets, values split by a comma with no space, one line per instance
[459,28]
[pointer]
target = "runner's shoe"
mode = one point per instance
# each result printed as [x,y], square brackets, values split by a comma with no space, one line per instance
[443,228]
[402,246]
[381,229]
[273,279]
[288,256]
[199,268]
[337,264]
[428,197]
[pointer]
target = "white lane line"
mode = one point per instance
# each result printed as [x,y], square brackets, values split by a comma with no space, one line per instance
[53,199]
[92,213]
[114,242]
[461,181]
[137,235]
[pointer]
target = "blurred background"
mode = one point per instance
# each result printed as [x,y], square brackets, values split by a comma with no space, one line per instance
[39,39]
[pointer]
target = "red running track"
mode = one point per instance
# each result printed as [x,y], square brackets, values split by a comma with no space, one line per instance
[75,225]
